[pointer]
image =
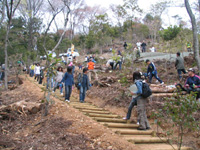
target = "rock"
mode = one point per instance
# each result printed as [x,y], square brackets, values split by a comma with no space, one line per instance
[109,147]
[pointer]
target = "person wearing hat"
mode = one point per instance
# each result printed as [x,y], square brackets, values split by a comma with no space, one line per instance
[152,71]
[192,83]
[180,65]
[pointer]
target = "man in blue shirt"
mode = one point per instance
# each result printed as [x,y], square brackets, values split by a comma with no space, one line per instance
[152,71]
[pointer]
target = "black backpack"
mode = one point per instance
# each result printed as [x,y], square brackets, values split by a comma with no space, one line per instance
[146,91]
[79,80]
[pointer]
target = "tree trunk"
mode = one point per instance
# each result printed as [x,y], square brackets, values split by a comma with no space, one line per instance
[195,34]
[6,56]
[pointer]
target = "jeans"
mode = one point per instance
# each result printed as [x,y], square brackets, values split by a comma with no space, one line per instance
[131,105]
[180,72]
[68,91]
[37,76]
[82,93]
[120,65]
[60,86]
[143,49]
[31,73]
[155,74]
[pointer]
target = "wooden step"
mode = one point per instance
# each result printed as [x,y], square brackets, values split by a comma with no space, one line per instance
[132,132]
[121,125]
[146,140]
[103,115]
[160,147]
[109,120]
[89,108]
[95,111]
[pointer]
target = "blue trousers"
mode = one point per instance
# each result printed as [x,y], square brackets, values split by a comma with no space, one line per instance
[180,72]
[82,93]
[155,74]
[131,105]
[68,91]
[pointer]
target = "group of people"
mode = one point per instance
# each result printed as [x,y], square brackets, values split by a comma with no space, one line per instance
[138,45]
[61,79]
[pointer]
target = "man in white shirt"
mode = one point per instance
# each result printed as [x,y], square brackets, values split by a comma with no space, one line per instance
[37,71]
[138,45]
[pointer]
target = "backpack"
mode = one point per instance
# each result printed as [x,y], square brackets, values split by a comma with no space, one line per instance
[79,80]
[146,91]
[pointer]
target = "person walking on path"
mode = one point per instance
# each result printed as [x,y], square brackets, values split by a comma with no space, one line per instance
[180,65]
[138,44]
[68,79]
[37,71]
[91,66]
[143,45]
[192,83]
[152,71]
[140,101]
[32,68]
[84,85]
[58,80]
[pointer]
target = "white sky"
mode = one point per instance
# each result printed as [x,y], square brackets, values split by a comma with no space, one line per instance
[145,5]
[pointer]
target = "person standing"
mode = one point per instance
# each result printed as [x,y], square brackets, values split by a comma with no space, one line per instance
[180,65]
[68,79]
[91,66]
[152,71]
[140,101]
[37,71]
[125,45]
[58,80]
[138,44]
[189,45]
[143,45]
[84,85]
[32,68]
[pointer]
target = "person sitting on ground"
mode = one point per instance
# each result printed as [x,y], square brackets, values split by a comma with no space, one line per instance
[140,101]
[152,71]
[84,85]
[68,79]
[180,65]
[37,71]
[58,80]
[192,83]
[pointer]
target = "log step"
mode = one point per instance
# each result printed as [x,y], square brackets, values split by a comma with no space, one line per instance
[146,140]
[132,132]
[109,120]
[103,115]
[121,125]
[95,111]
[89,108]
[160,147]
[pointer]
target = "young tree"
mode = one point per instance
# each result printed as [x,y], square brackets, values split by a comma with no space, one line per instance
[2,10]
[11,7]
[195,33]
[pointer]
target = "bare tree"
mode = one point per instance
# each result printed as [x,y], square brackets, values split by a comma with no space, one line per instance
[2,10]
[195,33]
[11,7]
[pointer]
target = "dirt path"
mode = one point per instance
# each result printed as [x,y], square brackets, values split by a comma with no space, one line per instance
[64,127]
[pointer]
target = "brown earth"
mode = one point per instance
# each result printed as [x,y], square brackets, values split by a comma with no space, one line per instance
[63,128]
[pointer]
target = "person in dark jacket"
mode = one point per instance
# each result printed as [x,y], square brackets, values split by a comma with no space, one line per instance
[192,83]
[140,101]
[180,65]
[85,85]
[125,45]
[68,79]
[143,45]
[152,71]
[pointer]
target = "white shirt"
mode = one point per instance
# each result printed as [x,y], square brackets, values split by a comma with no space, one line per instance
[37,70]
[138,44]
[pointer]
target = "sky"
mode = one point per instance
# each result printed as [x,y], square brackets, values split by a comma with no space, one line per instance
[145,5]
